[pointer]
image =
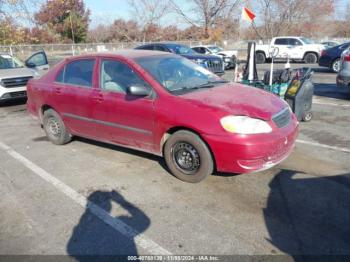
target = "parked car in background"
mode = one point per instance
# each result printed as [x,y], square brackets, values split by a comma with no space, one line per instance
[329,44]
[297,48]
[343,77]
[228,56]
[14,74]
[213,63]
[331,57]
[166,105]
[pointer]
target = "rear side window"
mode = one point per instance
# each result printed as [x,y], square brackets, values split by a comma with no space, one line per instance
[78,73]
[281,41]
[146,47]
[160,48]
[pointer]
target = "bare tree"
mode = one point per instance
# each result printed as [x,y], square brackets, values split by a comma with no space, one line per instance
[149,13]
[292,16]
[206,13]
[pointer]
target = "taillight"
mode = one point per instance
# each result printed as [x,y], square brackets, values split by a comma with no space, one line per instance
[347,57]
[323,52]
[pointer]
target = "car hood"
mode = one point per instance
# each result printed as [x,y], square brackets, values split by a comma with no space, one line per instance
[228,53]
[237,99]
[16,72]
[201,56]
[318,47]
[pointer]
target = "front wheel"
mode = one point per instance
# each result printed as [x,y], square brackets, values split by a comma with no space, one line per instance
[310,58]
[188,157]
[55,129]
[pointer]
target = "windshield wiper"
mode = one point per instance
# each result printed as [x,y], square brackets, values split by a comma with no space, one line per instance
[209,84]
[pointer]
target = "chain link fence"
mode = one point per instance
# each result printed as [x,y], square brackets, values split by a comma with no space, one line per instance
[57,52]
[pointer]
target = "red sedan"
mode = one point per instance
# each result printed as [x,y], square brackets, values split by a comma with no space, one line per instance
[166,105]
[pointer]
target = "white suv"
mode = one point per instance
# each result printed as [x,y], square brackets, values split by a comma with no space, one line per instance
[15,74]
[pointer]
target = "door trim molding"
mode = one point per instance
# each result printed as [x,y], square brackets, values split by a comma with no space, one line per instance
[147,132]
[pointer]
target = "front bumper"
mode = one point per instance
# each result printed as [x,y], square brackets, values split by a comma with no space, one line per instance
[252,153]
[12,93]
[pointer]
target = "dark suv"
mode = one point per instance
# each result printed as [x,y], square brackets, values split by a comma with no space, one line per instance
[213,63]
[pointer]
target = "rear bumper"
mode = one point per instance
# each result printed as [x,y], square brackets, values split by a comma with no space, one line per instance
[324,61]
[343,80]
[252,153]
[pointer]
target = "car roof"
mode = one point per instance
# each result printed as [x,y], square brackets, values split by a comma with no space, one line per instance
[127,53]
[163,43]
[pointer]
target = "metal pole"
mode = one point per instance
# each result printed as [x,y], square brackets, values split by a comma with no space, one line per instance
[71,27]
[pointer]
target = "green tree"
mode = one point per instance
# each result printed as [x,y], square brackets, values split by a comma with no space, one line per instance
[67,18]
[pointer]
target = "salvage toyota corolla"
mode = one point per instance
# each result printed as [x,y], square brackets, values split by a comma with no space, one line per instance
[166,105]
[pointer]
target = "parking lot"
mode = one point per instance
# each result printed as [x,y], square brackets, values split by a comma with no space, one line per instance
[92,198]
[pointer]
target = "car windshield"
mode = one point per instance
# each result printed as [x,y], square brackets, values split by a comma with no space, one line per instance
[9,62]
[181,49]
[307,40]
[179,75]
[215,49]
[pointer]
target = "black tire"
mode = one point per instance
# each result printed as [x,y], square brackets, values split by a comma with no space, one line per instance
[310,58]
[55,129]
[188,157]
[307,116]
[335,67]
[260,58]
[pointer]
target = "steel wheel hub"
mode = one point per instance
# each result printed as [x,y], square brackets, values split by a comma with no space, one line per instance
[54,127]
[186,157]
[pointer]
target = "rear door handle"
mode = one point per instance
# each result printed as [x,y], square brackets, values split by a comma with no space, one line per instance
[58,90]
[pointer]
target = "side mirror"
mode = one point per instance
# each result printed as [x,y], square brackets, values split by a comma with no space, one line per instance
[30,65]
[139,90]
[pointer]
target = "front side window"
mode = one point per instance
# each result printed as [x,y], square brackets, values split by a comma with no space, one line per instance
[177,74]
[117,76]
[9,62]
[79,73]
[294,42]
[38,59]
[181,49]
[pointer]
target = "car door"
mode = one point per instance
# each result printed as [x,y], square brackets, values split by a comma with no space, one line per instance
[296,48]
[38,61]
[282,45]
[122,118]
[72,96]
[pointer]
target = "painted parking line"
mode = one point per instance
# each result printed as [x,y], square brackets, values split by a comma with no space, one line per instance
[330,104]
[342,149]
[140,239]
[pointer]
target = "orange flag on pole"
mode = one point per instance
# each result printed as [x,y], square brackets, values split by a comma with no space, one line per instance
[247,14]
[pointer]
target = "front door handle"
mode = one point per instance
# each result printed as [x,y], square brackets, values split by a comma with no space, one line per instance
[58,90]
[98,98]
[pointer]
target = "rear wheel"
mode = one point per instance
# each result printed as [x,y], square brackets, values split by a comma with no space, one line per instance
[55,129]
[310,58]
[307,116]
[260,58]
[336,65]
[188,157]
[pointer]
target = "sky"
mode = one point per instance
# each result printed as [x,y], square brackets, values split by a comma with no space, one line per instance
[106,11]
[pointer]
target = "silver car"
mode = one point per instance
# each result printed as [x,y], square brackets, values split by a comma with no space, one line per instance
[343,77]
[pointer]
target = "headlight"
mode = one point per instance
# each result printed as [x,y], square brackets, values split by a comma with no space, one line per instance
[244,125]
